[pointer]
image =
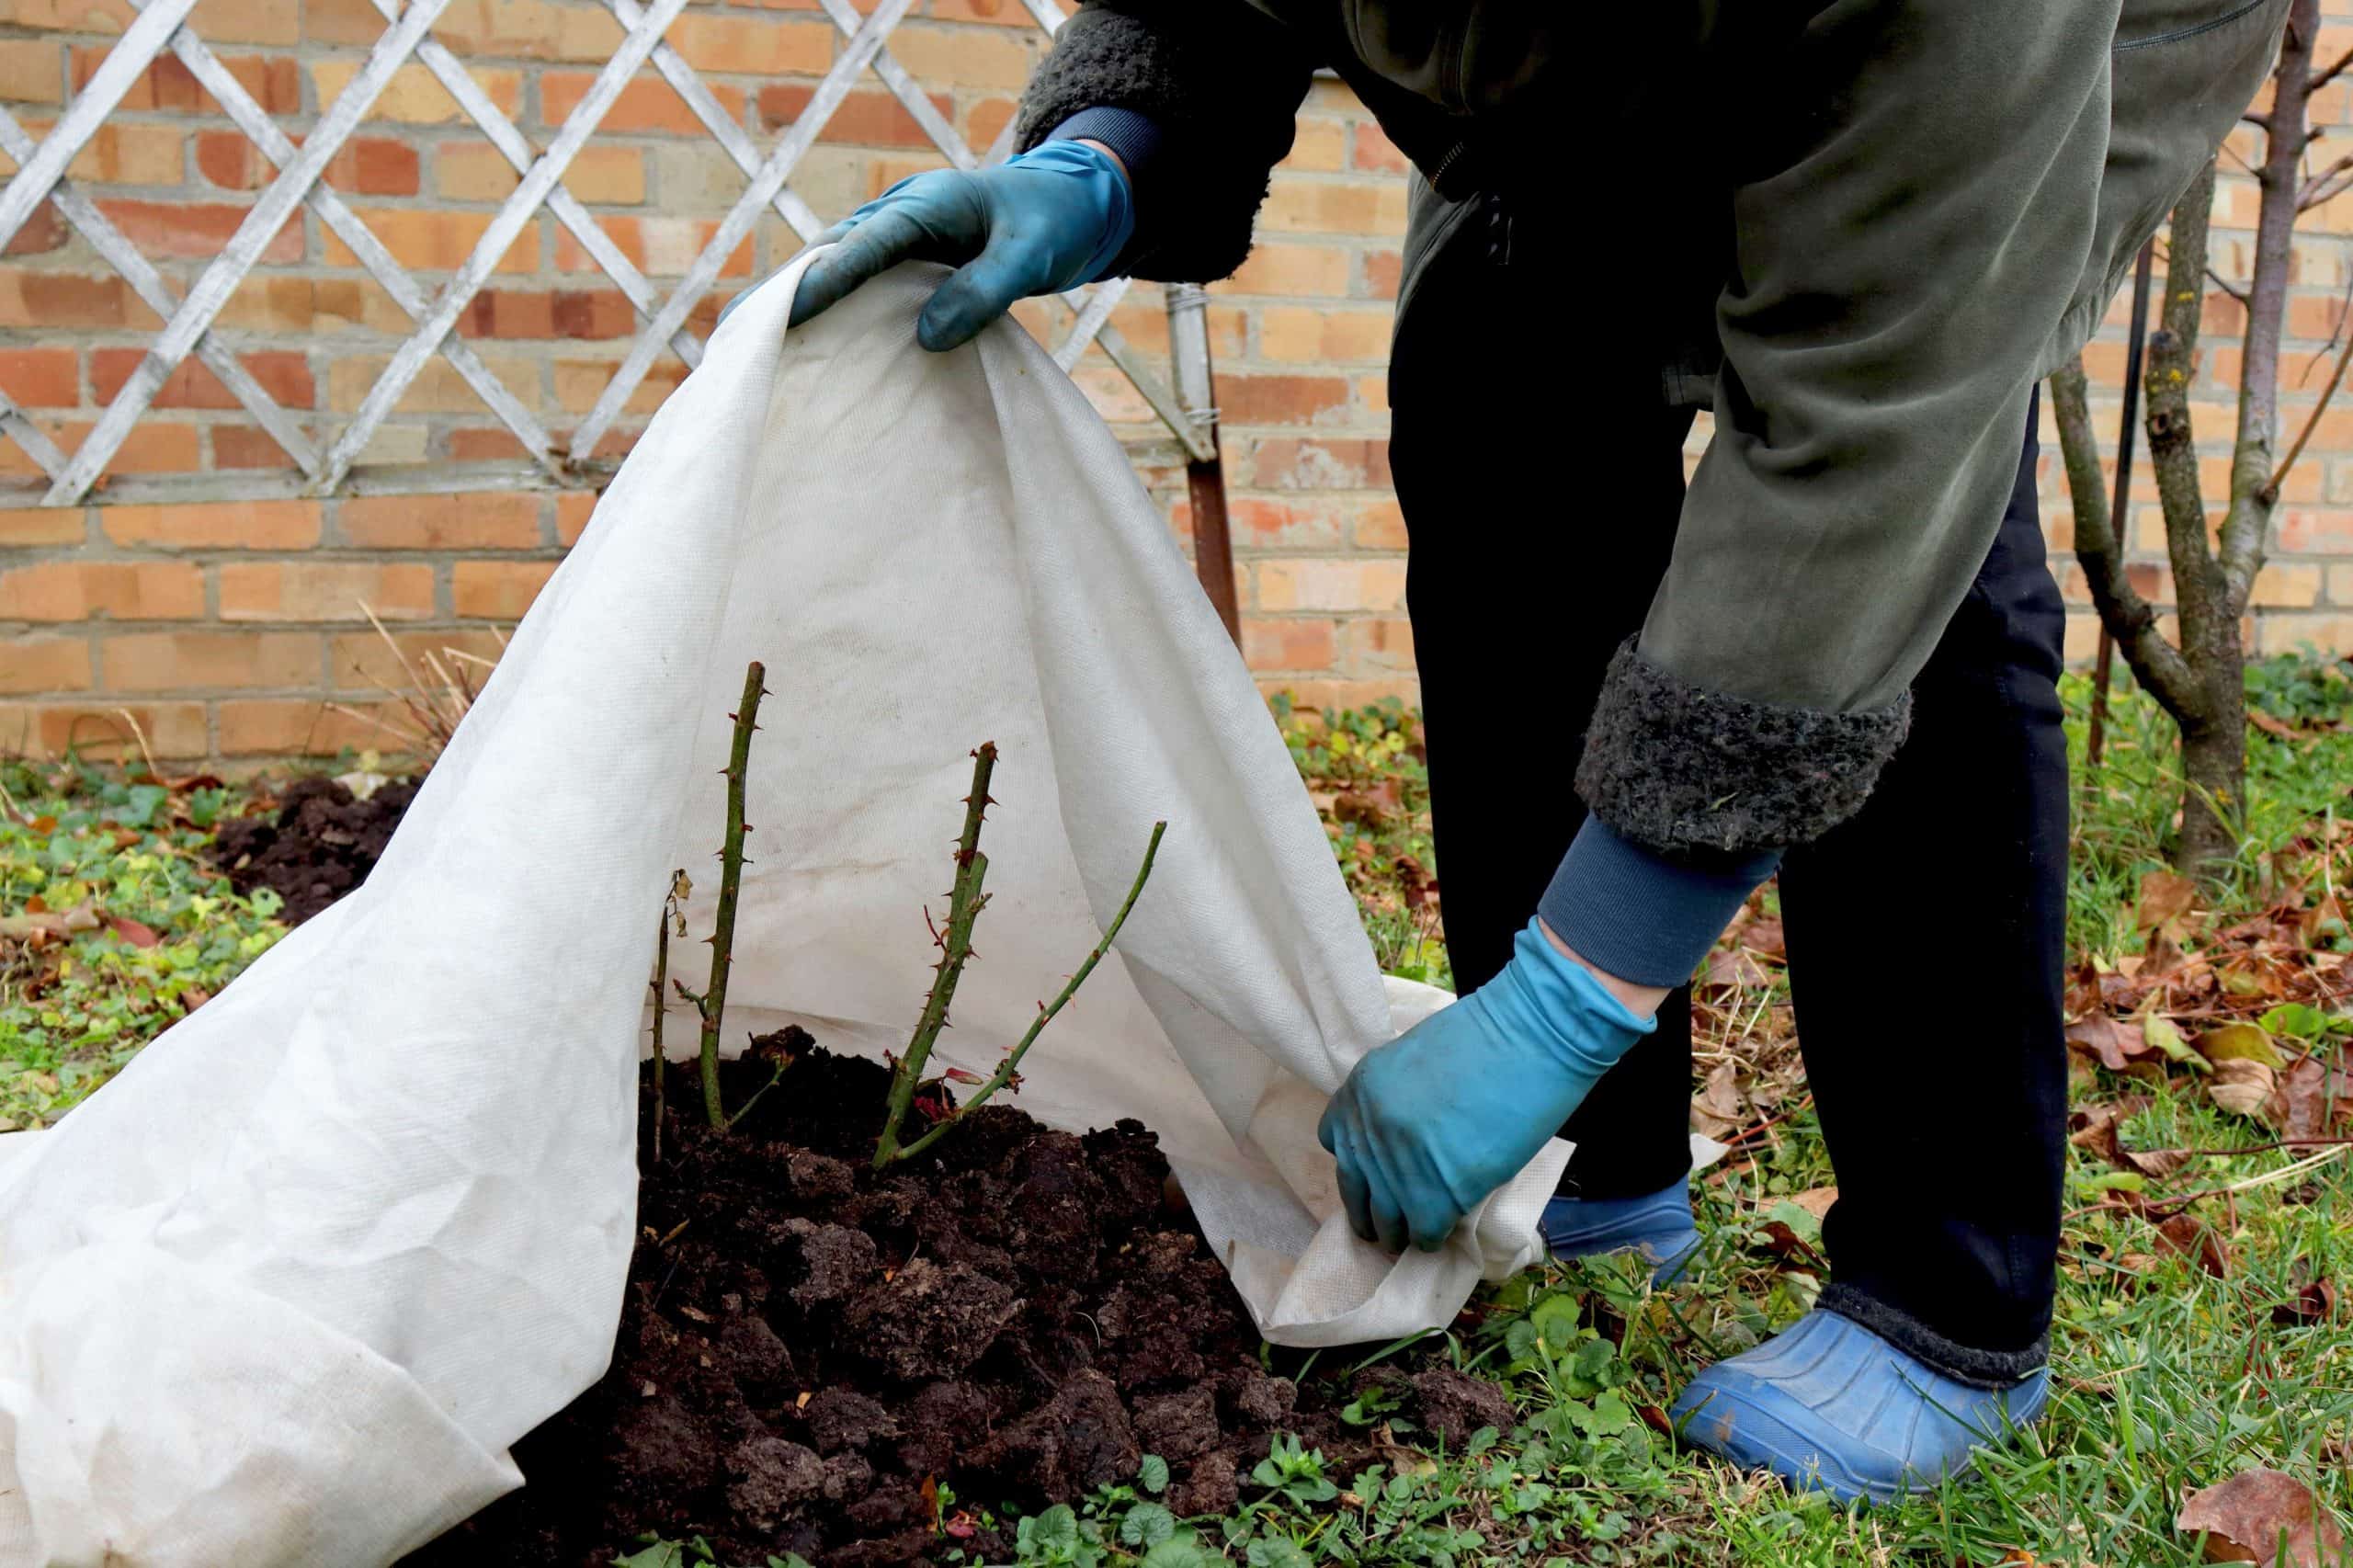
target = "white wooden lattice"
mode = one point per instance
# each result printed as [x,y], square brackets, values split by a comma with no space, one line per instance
[163,25]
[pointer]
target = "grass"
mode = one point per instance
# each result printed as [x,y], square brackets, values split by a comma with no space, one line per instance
[2168,1375]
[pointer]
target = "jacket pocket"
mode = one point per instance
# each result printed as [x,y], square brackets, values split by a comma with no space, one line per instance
[2177,28]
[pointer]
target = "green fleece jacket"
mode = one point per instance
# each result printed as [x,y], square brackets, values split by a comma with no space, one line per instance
[1903,213]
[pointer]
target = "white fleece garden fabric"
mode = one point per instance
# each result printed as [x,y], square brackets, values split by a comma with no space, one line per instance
[285,1292]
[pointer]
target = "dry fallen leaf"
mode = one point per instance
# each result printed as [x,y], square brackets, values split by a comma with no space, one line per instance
[2115,1044]
[2196,1240]
[1717,1109]
[2241,1087]
[137,933]
[2263,1515]
[1816,1201]
[2240,1042]
[2165,895]
[1734,969]
[2316,1303]
[2307,1097]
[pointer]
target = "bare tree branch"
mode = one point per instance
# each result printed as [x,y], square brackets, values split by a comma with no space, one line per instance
[2130,617]
[2226,285]
[2269,494]
[2329,182]
[2330,74]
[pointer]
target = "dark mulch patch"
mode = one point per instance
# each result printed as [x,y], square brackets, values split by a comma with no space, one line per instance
[806,1346]
[319,844]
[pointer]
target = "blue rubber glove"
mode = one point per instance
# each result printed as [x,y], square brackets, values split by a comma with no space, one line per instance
[1429,1124]
[1054,217]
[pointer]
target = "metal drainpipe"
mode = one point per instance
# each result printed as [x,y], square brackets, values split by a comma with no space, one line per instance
[1189,353]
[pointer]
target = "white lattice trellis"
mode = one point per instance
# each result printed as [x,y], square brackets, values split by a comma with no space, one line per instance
[163,25]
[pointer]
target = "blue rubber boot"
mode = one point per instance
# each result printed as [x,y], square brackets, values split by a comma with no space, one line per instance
[1658,1226]
[1826,1402]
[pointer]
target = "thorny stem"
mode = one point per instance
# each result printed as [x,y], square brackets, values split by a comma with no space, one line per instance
[660,991]
[965,902]
[713,1001]
[1007,1071]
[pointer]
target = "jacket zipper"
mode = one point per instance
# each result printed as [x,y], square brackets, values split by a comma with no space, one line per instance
[2208,26]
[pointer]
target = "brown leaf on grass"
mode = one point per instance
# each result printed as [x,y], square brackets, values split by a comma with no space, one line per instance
[2165,896]
[2307,1097]
[1718,1110]
[2316,1303]
[2271,725]
[132,931]
[1816,1201]
[2189,1236]
[2263,1515]
[53,923]
[2240,1042]
[2310,921]
[2241,1087]
[2113,1043]
[1369,805]
[1734,969]
[1765,936]
[2100,1135]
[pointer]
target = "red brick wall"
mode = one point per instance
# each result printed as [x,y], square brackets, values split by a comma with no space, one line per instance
[234,631]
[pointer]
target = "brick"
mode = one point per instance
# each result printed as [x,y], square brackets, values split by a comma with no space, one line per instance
[1287,645]
[580,382]
[121,152]
[216,525]
[2341,579]
[985,120]
[273,81]
[1004,13]
[70,16]
[487,444]
[1372,393]
[264,726]
[119,590]
[43,232]
[1329,464]
[192,661]
[324,590]
[2302,531]
[1114,397]
[441,522]
[1245,400]
[55,299]
[1278,268]
[970,57]
[1374,151]
[881,174]
[755,45]
[246,447]
[32,72]
[497,590]
[1255,523]
[42,524]
[1294,333]
[2284,583]
[1384,271]
[196,230]
[285,376]
[1384,642]
[413,96]
[353,22]
[2277,633]
[438,388]
[1145,326]
[648,103]
[867,117]
[600,173]
[573,510]
[663,247]
[531,29]
[360,661]
[155,446]
[1318,145]
[274,303]
[568,313]
[29,665]
[247,21]
[41,378]
[424,240]
[96,729]
[1378,525]
[1302,205]
[1331,585]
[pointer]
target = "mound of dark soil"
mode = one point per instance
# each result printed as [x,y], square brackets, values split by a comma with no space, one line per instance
[809,1350]
[320,844]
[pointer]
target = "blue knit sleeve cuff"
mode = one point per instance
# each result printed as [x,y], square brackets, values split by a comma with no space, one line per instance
[1136,140]
[1636,913]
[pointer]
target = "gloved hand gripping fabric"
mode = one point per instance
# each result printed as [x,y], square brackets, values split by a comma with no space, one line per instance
[1055,217]
[1428,1125]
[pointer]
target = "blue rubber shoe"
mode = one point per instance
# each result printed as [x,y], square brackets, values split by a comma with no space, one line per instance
[1658,1226]
[1826,1402]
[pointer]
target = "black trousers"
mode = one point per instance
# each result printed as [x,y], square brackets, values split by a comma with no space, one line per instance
[1542,476]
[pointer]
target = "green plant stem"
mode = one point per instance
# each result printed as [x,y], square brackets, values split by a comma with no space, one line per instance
[1009,1071]
[713,1001]
[964,901]
[661,987]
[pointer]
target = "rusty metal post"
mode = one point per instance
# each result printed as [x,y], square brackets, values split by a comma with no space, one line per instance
[1195,379]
